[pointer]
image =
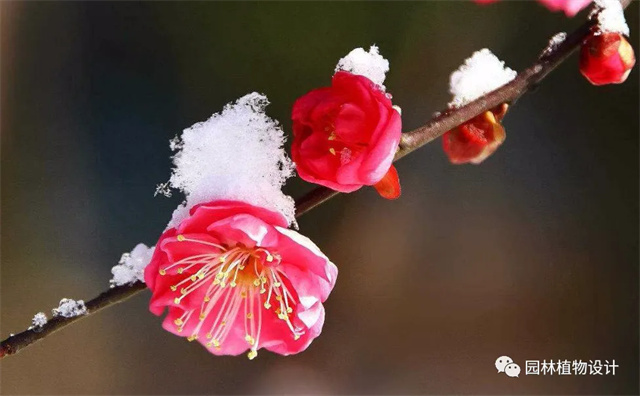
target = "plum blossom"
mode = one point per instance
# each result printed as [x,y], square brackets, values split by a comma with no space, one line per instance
[227,270]
[234,278]
[346,135]
[570,7]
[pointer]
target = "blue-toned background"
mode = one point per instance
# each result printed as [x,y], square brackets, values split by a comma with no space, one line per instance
[533,254]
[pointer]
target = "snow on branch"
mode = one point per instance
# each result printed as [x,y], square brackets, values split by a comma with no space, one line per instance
[480,74]
[131,266]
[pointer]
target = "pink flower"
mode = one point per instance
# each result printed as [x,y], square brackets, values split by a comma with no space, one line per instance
[570,7]
[234,278]
[606,58]
[346,135]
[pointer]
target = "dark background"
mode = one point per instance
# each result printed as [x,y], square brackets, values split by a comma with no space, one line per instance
[533,254]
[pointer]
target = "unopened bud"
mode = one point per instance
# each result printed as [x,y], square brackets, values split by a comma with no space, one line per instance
[606,58]
[476,139]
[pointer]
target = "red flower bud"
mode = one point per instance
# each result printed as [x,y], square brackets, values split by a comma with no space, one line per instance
[606,58]
[477,138]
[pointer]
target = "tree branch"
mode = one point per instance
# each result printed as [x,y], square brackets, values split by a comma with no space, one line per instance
[410,141]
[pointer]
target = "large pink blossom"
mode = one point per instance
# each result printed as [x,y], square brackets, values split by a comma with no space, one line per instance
[570,7]
[234,278]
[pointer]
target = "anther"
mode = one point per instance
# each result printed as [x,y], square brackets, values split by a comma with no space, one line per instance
[162,272]
[332,151]
[267,305]
[252,354]
[176,300]
[173,287]
[192,338]
[180,237]
[202,316]
[178,322]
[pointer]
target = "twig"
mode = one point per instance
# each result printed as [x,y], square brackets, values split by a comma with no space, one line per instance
[447,120]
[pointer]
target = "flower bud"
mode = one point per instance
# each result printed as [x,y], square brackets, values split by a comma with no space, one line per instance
[606,58]
[477,138]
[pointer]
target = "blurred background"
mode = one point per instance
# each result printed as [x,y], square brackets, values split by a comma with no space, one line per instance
[533,254]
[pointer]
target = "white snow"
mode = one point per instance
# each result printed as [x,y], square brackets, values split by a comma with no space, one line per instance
[482,73]
[554,42]
[39,320]
[610,15]
[163,189]
[237,154]
[131,266]
[69,308]
[369,64]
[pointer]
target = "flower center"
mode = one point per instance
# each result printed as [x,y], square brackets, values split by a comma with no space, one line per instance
[232,279]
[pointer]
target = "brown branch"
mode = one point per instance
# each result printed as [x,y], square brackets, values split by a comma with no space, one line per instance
[447,120]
